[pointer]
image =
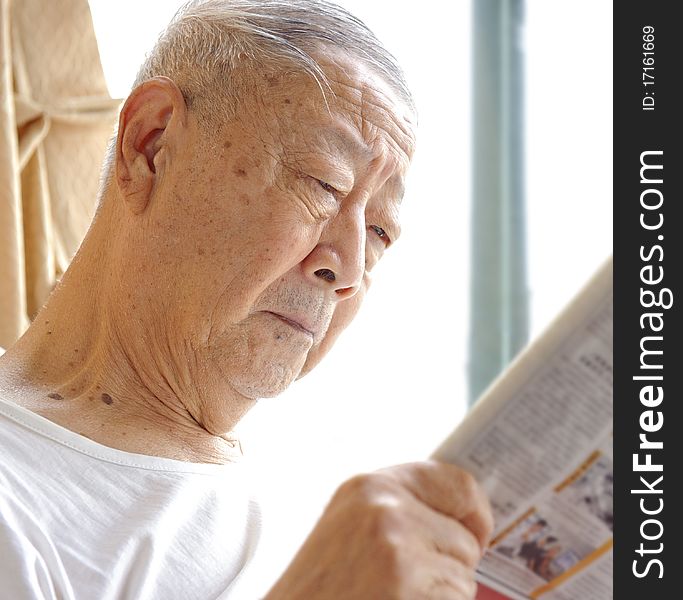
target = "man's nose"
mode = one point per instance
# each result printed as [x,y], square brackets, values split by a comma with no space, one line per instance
[338,260]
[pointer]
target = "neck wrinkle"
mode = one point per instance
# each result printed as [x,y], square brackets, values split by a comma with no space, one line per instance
[75,351]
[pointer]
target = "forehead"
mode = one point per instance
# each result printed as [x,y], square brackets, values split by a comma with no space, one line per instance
[369,101]
[354,110]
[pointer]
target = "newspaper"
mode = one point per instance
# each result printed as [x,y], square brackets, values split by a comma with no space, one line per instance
[540,442]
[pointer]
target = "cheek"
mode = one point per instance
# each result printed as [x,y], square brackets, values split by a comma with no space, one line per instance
[241,254]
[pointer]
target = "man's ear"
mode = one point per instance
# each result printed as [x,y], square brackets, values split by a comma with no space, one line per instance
[153,110]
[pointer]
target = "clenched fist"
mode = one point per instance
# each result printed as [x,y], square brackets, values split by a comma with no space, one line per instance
[412,532]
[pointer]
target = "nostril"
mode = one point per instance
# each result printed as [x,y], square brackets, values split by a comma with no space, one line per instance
[325,274]
[347,291]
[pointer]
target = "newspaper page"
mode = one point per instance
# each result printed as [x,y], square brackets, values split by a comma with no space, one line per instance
[540,442]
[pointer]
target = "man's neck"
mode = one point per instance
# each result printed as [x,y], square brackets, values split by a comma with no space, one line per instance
[72,368]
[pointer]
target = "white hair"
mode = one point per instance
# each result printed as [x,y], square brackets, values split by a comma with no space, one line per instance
[212,46]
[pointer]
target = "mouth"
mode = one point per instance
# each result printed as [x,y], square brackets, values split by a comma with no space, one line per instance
[292,322]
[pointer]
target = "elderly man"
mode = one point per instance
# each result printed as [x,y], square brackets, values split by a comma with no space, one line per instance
[254,184]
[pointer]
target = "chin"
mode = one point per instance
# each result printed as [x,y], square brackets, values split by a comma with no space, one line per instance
[266,382]
[260,359]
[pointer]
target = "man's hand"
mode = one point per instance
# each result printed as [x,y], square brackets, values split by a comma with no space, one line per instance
[412,532]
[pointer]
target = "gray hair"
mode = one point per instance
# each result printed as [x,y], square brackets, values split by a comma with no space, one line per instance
[208,41]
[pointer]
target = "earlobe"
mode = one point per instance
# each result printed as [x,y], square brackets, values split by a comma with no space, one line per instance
[153,110]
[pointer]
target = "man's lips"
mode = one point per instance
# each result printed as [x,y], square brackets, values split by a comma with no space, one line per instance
[293,321]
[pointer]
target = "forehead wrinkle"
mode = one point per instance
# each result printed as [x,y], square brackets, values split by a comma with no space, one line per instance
[404,132]
[360,102]
[345,139]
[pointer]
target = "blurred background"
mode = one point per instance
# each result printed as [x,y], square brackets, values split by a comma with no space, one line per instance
[508,211]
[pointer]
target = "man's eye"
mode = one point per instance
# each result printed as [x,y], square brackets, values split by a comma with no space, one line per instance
[327,187]
[380,232]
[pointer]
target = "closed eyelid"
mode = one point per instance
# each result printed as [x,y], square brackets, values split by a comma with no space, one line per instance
[337,177]
[327,187]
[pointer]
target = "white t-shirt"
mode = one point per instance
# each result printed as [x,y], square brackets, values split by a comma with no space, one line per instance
[82,521]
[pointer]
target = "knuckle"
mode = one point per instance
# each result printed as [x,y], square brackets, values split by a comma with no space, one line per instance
[469,488]
[385,523]
[363,486]
[471,552]
[425,474]
[352,486]
[389,560]
[376,507]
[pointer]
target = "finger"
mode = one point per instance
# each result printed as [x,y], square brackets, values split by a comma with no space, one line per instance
[449,578]
[442,534]
[450,490]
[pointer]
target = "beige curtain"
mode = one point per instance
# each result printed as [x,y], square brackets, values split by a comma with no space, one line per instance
[55,118]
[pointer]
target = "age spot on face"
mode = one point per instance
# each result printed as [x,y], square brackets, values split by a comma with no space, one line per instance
[272,80]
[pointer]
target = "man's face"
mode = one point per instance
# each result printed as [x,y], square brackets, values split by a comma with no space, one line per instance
[278,219]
